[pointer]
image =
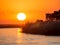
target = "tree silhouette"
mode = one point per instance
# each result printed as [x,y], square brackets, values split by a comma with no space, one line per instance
[53,16]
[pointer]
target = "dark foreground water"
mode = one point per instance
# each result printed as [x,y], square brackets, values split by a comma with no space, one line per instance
[13,36]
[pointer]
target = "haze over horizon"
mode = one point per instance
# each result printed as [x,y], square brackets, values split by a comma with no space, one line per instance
[34,9]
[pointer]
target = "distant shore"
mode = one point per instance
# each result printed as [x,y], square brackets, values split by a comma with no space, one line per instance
[10,26]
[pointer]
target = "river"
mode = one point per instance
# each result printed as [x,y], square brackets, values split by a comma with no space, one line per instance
[14,36]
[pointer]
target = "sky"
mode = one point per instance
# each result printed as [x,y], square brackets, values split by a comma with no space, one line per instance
[34,9]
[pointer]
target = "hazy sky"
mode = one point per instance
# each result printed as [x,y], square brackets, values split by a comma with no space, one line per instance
[34,9]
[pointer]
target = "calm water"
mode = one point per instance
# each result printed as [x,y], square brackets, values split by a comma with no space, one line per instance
[13,36]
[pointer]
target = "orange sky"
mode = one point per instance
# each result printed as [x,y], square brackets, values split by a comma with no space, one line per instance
[34,9]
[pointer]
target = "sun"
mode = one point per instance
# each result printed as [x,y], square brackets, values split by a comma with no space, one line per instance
[21,16]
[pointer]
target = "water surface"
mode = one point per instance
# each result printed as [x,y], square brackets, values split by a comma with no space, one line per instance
[13,36]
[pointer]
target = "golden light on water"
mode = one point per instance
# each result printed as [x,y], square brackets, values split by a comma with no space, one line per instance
[19,35]
[19,32]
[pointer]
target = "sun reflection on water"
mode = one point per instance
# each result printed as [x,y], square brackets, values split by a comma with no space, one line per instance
[19,35]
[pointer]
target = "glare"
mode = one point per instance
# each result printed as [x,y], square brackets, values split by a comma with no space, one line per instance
[21,16]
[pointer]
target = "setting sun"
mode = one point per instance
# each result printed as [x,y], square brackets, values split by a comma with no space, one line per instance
[21,16]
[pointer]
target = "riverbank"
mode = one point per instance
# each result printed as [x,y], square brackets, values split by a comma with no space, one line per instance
[43,28]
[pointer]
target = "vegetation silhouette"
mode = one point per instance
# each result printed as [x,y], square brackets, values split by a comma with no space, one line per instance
[49,27]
